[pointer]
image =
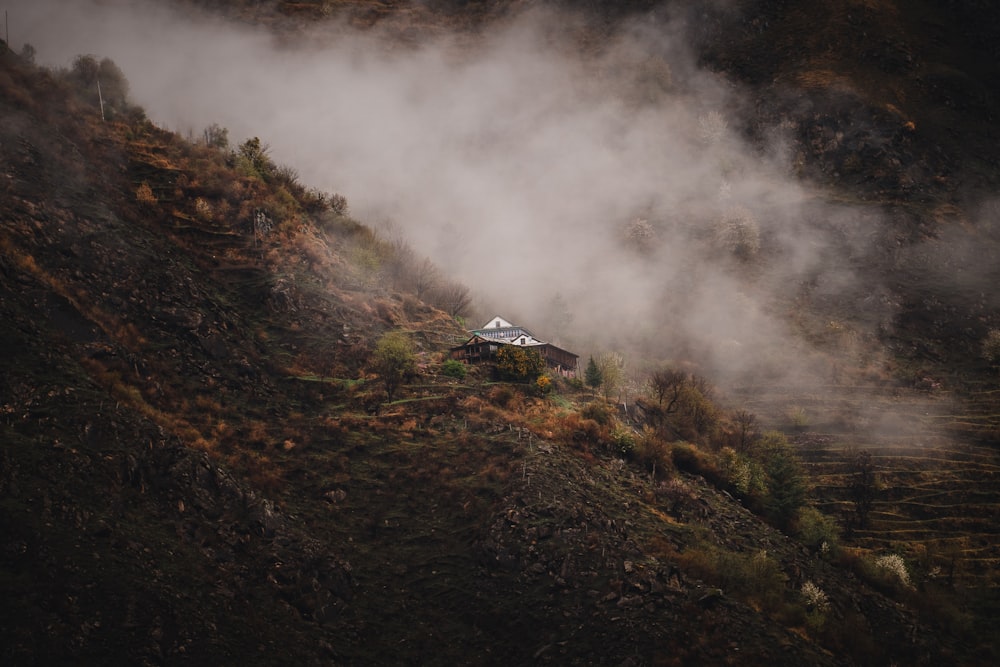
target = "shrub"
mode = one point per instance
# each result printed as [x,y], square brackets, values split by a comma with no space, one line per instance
[544,384]
[991,347]
[144,194]
[797,417]
[454,368]
[817,531]
[622,440]
[743,473]
[712,127]
[599,412]
[817,604]
[738,232]
[580,431]
[690,459]
[202,209]
[894,567]
[338,204]
[756,578]
[501,396]
[815,597]
[653,452]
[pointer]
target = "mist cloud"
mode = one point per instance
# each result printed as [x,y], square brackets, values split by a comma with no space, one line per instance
[516,163]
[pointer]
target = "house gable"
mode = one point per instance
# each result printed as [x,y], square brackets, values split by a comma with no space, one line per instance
[497,323]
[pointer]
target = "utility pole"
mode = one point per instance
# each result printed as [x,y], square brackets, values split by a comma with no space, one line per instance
[100,98]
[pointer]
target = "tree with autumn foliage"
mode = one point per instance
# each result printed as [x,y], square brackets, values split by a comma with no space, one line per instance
[517,363]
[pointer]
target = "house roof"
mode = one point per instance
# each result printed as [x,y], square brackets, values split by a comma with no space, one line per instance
[497,328]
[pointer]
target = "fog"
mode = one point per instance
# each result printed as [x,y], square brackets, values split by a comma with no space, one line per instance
[616,179]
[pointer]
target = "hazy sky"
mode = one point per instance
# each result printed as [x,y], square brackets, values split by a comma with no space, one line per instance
[518,165]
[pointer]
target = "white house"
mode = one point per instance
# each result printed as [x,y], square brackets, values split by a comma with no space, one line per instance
[485,342]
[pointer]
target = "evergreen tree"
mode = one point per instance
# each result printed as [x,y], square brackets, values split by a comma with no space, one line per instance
[862,484]
[786,480]
[592,375]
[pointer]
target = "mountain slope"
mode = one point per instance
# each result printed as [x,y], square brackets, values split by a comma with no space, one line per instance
[198,464]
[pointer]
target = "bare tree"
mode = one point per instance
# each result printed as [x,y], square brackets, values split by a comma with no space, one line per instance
[216,136]
[640,235]
[453,298]
[747,431]
[668,385]
[425,278]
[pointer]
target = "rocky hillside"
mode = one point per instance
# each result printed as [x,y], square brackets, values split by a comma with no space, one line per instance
[199,465]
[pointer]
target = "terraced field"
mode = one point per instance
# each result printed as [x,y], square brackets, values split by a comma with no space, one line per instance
[937,498]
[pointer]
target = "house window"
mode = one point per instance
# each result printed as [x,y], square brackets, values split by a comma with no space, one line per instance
[498,324]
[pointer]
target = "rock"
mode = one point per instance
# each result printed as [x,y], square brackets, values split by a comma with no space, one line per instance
[335,496]
[185,318]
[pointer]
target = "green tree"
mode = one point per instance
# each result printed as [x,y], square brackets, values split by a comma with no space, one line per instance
[612,365]
[85,69]
[114,86]
[786,480]
[393,361]
[517,363]
[592,375]
[253,158]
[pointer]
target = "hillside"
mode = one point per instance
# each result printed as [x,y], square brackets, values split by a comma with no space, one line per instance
[200,463]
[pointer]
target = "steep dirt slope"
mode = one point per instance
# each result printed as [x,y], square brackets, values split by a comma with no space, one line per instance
[197,467]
